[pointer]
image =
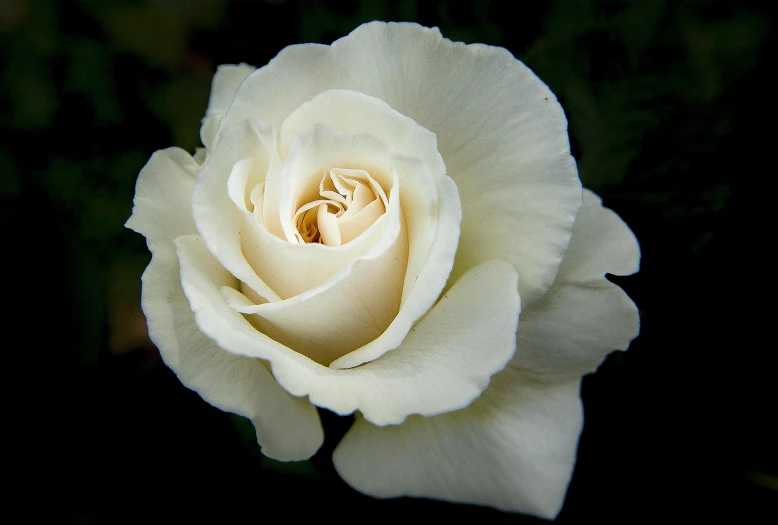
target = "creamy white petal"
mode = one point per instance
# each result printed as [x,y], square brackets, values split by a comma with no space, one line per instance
[421,292]
[443,364]
[583,317]
[223,87]
[352,309]
[218,219]
[348,310]
[208,129]
[225,83]
[239,184]
[161,209]
[288,427]
[430,209]
[513,449]
[602,243]
[325,320]
[199,155]
[430,200]
[291,268]
[500,131]
[320,149]
[351,113]
[569,332]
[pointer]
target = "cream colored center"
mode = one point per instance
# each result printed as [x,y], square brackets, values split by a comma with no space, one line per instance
[351,201]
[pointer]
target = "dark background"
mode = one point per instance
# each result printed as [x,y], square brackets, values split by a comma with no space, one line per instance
[672,110]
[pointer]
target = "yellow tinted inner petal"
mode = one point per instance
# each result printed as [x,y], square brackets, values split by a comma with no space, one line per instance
[350,202]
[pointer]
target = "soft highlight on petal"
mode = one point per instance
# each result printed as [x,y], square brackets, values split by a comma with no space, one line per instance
[161,207]
[352,113]
[218,219]
[603,243]
[583,317]
[513,449]
[223,87]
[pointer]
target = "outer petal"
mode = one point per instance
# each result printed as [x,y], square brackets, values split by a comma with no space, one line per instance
[443,364]
[513,448]
[223,87]
[288,427]
[602,243]
[161,209]
[583,317]
[500,130]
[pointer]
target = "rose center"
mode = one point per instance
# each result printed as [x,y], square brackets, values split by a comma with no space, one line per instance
[351,201]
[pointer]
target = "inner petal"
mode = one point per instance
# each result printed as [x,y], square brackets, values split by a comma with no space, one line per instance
[268,233]
[350,202]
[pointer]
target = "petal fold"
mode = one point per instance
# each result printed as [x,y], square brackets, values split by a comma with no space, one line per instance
[288,427]
[216,216]
[583,317]
[223,87]
[161,207]
[513,449]
[350,309]
[352,113]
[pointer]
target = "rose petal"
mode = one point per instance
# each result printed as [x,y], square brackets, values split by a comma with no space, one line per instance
[318,147]
[217,218]
[161,209]
[199,155]
[443,364]
[348,310]
[433,236]
[350,228]
[423,290]
[500,131]
[282,270]
[240,184]
[513,449]
[288,428]
[351,113]
[223,87]
[583,317]
[357,304]
[321,148]
[602,243]
[345,313]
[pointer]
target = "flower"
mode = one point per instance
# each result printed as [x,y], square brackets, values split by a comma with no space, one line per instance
[392,225]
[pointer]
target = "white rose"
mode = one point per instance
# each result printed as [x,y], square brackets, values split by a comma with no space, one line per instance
[366,228]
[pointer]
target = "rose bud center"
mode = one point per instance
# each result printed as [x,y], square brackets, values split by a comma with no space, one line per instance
[348,202]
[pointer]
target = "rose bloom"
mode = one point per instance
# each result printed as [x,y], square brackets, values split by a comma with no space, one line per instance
[391,226]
